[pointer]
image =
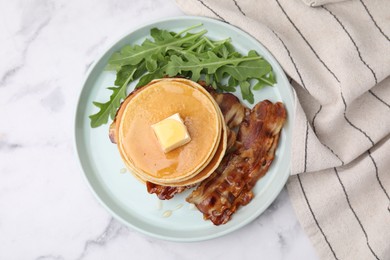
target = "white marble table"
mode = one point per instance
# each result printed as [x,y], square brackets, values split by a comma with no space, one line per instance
[46,209]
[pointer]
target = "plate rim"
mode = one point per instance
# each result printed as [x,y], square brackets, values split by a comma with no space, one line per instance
[76,144]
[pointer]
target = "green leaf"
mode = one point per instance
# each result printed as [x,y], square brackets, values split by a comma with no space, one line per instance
[188,29]
[109,108]
[235,54]
[223,49]
[224,52]
[145,79]
[200,49]
[269,79]
[266,80]
[217,78]
[176,65]
[246,92]
[132,55]
[247,69]
[227,88]
[211,64]
[232,82]
[230,46]
[259,85]
[208,79]
[160,36]
[198,43]
[151,65]
[214,85]
[141,70]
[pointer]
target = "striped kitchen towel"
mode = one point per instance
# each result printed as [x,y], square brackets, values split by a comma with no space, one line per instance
[338,56]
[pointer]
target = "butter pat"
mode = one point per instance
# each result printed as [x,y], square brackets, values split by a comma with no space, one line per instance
[171,133]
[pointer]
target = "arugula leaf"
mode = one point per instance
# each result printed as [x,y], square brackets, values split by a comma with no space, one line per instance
[132,55]
[265,80]
[269,79]
[208,78]
[259,85]
[160,36]
[246,92]
[232,82]
[145,79]
[211,64]
[223,48]
[151,65]
[186,54]
[247,69]
[109,108]
[227,88]
[214,85]
[218,78]
[176,65]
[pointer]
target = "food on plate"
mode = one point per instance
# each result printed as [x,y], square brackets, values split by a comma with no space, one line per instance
[226,181]
[179,129]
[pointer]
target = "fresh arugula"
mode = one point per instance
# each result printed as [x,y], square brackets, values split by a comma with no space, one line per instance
[187,54]
[109,108]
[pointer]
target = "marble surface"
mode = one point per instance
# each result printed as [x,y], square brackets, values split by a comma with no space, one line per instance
[46,209]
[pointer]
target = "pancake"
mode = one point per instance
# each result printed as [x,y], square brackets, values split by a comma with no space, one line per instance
[206,172]
[139,147]
[221,149]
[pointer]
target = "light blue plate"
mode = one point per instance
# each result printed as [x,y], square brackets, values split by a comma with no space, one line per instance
[126,198]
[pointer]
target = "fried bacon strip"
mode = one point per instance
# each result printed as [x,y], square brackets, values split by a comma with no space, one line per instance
[165,192]
[234,113]
[220,195]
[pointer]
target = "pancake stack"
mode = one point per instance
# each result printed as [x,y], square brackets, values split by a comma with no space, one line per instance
[139,147]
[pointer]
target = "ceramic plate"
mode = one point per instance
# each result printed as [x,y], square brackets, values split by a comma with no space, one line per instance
[125,197]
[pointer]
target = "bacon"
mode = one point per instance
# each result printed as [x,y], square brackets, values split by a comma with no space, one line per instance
[165,192]
[232,109]
[219,196]
[233,112]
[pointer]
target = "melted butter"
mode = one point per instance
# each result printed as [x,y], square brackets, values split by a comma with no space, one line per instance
[167,214]
[171,133]
[172,130]
[153,105]
[179,206]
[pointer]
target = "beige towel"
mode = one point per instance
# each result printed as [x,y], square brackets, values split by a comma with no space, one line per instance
[338,56]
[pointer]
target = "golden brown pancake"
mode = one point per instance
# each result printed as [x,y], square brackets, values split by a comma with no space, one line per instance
[140,149]
[206,172]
